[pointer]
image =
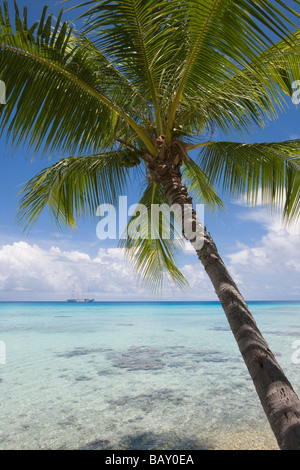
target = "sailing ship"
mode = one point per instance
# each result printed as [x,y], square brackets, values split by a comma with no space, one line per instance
[82,299]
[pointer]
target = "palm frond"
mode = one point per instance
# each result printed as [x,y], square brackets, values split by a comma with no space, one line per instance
[253,95]
[52,73]
[199,186]
[152,243]
[292,203]
[74,187]
[248,99]
[226,37]
[271,170]
[145,39]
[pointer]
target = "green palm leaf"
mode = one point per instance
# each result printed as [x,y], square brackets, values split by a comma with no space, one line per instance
[247,99]
[269,169]
[152,243]
[252,94]
[225,37]
[73,187]
[142,38]
[199,186]
[53,74]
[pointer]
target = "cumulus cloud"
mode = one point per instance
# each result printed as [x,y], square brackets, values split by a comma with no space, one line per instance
[269,268]
[263,214]
[200,287]
[264,269]
[29,271]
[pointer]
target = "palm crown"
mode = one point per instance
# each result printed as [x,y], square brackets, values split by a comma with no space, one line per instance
[139,73]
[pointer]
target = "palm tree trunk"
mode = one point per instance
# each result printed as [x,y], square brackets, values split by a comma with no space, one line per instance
[279,401]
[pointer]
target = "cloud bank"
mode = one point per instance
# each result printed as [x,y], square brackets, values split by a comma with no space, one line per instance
[265,269]
[30,272]
[269,268]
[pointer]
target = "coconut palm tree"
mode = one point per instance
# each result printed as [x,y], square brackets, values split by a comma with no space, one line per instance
[141,85]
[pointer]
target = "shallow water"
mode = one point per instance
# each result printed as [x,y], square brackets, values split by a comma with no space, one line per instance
[135,376]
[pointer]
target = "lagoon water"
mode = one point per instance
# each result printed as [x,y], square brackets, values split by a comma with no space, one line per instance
[135,375]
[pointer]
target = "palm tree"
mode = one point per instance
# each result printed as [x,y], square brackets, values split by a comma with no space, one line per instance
[139,87]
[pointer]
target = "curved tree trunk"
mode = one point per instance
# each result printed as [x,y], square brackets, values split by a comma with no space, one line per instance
[279,401]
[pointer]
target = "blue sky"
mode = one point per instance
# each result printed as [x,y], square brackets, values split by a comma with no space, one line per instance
[262,255]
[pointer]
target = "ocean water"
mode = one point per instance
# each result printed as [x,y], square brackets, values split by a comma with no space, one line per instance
[135,375]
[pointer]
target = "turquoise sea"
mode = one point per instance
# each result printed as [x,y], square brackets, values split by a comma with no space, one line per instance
[135,375]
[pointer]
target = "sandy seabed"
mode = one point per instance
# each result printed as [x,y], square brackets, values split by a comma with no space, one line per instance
[131,378]
[247,440]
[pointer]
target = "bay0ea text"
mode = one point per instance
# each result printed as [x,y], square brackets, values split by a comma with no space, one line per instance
[152,459]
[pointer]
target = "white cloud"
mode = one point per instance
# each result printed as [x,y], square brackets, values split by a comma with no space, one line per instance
[271,221]
[200,287]
[263,214]
[268,269]
[31,272]
[264,269]
[243,200]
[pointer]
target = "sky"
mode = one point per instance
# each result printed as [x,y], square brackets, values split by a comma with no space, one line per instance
[261,254]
